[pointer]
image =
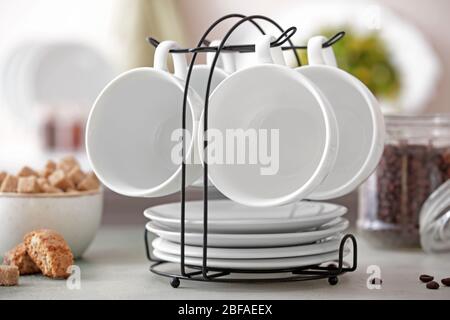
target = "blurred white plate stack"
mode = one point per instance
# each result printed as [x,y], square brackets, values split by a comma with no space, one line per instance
[54,74]
[47,88]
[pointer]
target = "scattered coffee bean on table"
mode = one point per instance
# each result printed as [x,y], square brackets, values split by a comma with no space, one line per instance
[426,278]
[433,285]
[446,282]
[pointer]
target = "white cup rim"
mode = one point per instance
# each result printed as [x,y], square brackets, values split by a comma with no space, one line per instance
[135,192]
[377,144]
[326,159]
[208,67]
[219,73]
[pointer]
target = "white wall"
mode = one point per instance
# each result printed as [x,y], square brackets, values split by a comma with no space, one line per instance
[86,20]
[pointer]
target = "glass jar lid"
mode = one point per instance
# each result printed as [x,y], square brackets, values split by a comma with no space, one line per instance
[432,126]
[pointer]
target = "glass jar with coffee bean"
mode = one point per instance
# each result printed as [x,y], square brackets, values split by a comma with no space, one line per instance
[416,161]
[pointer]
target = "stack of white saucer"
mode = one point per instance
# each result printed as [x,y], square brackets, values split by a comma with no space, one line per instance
[295,235]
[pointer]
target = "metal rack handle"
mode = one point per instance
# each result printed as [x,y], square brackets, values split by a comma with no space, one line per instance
[244,48]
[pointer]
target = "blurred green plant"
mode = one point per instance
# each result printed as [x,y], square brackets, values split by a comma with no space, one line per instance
[366,57]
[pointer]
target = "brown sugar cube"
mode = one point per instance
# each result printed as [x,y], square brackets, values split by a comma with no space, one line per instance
[59,180]
[9,184]
[41,182]
[49,168]
[50,252]
[76,175]
[45,187]
[9,275]
[28,185]
[3,175]
[51,189]
[90,182]
[19,257]
[67,163]
[51,165]
[27,172]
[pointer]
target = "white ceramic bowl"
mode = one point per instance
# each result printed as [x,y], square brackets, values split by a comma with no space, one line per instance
[76,216]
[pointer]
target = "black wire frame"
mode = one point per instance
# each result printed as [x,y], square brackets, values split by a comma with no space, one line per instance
[331,271]
[206,273]
[243,48]
[243,19]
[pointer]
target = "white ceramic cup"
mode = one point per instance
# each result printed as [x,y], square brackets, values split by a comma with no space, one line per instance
[129,135]
[272,97]
[359,118]
[199,78]
[200,73]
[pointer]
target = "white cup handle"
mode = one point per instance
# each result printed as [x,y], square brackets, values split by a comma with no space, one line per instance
[262,49]
[266,54]
[318,55]
[226,59]
[179,59]
[277,55]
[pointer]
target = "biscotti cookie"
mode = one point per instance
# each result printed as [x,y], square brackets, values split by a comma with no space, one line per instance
[9,275]
[50,252]
[19,257]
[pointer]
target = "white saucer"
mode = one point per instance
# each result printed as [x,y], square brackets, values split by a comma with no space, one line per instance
[281,263]
[225,216]
[249,240]
[249,253]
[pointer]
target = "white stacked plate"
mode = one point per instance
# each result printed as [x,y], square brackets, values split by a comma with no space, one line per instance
[297,235]
[53,74]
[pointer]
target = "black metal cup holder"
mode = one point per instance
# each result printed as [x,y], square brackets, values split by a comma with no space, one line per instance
[205,272]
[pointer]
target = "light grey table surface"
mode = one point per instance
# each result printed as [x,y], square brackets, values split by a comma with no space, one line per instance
[115,267]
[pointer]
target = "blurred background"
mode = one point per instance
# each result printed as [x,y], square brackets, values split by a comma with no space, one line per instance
[57,55]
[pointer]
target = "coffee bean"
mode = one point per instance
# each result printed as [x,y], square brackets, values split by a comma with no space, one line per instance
[446,282]
[433,285]
[405,177]
[426,278]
